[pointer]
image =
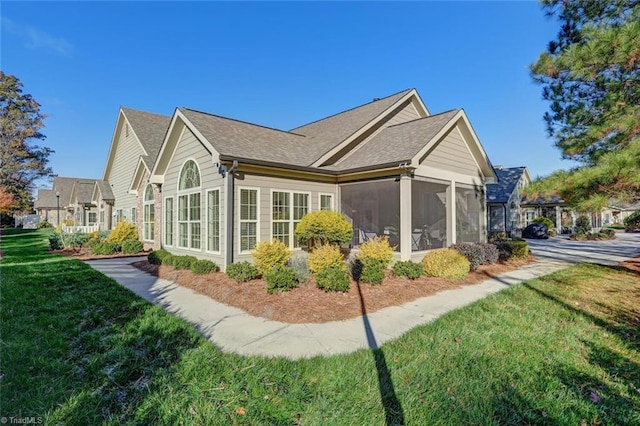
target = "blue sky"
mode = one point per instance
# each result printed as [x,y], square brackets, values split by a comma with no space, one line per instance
[279,65]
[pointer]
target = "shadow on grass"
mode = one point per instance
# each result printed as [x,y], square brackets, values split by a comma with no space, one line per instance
[393,412]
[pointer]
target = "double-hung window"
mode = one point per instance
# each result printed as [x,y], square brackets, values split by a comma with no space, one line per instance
[189,207]
[326,201]
[288,208]
[213,220]
[149,213]
[168,221]
[248,218]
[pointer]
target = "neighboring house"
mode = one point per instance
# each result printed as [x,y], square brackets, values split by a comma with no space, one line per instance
[558,210]
[618,212]
[135,144]
[219,185]
[504,197]
[66,201]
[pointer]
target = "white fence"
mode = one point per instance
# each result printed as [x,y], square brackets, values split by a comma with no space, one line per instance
[85,229]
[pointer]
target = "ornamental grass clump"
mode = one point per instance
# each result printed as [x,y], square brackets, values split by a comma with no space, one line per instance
[446,263]
[268,254]
[324,227]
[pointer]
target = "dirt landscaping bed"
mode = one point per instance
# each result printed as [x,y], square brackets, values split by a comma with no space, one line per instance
[309,304]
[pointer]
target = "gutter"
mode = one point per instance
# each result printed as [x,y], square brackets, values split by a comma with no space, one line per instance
[230,202]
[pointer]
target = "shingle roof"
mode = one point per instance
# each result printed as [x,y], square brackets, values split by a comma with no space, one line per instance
[327,133]
[395,144]
[46,199]
[239,139]
[105,190]
[501,191]
[150,129]
[84,190]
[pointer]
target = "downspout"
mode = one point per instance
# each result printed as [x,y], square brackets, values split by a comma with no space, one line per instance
[230,217]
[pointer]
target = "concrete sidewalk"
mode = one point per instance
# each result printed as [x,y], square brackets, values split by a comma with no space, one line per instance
[233,330]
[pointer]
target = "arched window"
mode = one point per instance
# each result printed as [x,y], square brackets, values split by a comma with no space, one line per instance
[149,213]
[189,176]
[189,207]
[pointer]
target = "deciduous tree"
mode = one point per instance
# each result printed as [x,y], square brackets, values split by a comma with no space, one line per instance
[591,76]
[22,162]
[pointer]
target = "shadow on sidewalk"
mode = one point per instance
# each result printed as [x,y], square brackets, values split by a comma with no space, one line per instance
[392,408]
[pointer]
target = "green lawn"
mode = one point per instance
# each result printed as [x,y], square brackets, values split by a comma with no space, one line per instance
[79,349]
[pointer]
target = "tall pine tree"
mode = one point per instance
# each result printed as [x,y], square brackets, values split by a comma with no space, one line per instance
[591,76]
[21,161]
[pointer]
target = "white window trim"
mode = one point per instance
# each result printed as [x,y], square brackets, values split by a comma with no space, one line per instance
[164,221]
[188,192]
[239,239]
[325,194]
[291,219]
[146,203]
[206,220]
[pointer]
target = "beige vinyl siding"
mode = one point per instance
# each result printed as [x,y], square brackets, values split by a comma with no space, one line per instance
[265,184]
[189,148]
[125,161]
[452,154]
[408,113]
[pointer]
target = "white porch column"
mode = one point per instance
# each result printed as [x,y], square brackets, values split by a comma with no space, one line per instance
[405,218]
[451,213]
[558,219]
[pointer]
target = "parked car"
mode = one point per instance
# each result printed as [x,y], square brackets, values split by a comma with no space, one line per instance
[536,230]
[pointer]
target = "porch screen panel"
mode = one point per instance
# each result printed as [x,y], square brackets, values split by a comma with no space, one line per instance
[469,202]
[373,208]
[428,215]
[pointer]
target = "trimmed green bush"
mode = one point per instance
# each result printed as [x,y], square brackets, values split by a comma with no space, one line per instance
[299,262]
[490,253]
[156,256]
[545,221]
[632,222]
[445,263]
[280,277]
[76,240]
[182,262]
[268,254]
[377,249]
[324,227]
[105,248]
[123,231]
[372,271]
[325,256]
[504,251]
[519,249]
[583,225]
[242,271]
[203,266]
[333,278]
[473,252]
[55,241]
[132,246]
[409,269]
[44,224]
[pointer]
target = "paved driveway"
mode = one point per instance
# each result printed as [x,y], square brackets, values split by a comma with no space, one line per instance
[604,252]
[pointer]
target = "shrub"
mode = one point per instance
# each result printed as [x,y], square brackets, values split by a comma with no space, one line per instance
[299,262]
[377,249]
[609,234]
[106,248]
[490,253]
[242,271]
[632,222]
[325,256]
[333,278]
[324,227]
[44,224]
[409,269]
[504,251]
[519,249]
[445,263]
[76,240]
[131,246]
[168,259]
[156,256]
[203,266]
[583,225]
[497,236]
[545,221]
[551,232]
[280,277]
[182,262]
[55,241]
[578,237]
[473,253]
[268,254]
[372,271]
[123,231]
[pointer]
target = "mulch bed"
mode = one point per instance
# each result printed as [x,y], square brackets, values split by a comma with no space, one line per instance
[632,264]
[309,304]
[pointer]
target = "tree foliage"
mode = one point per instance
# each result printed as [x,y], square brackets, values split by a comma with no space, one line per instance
[591,76]
[6,200]
[21,161]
